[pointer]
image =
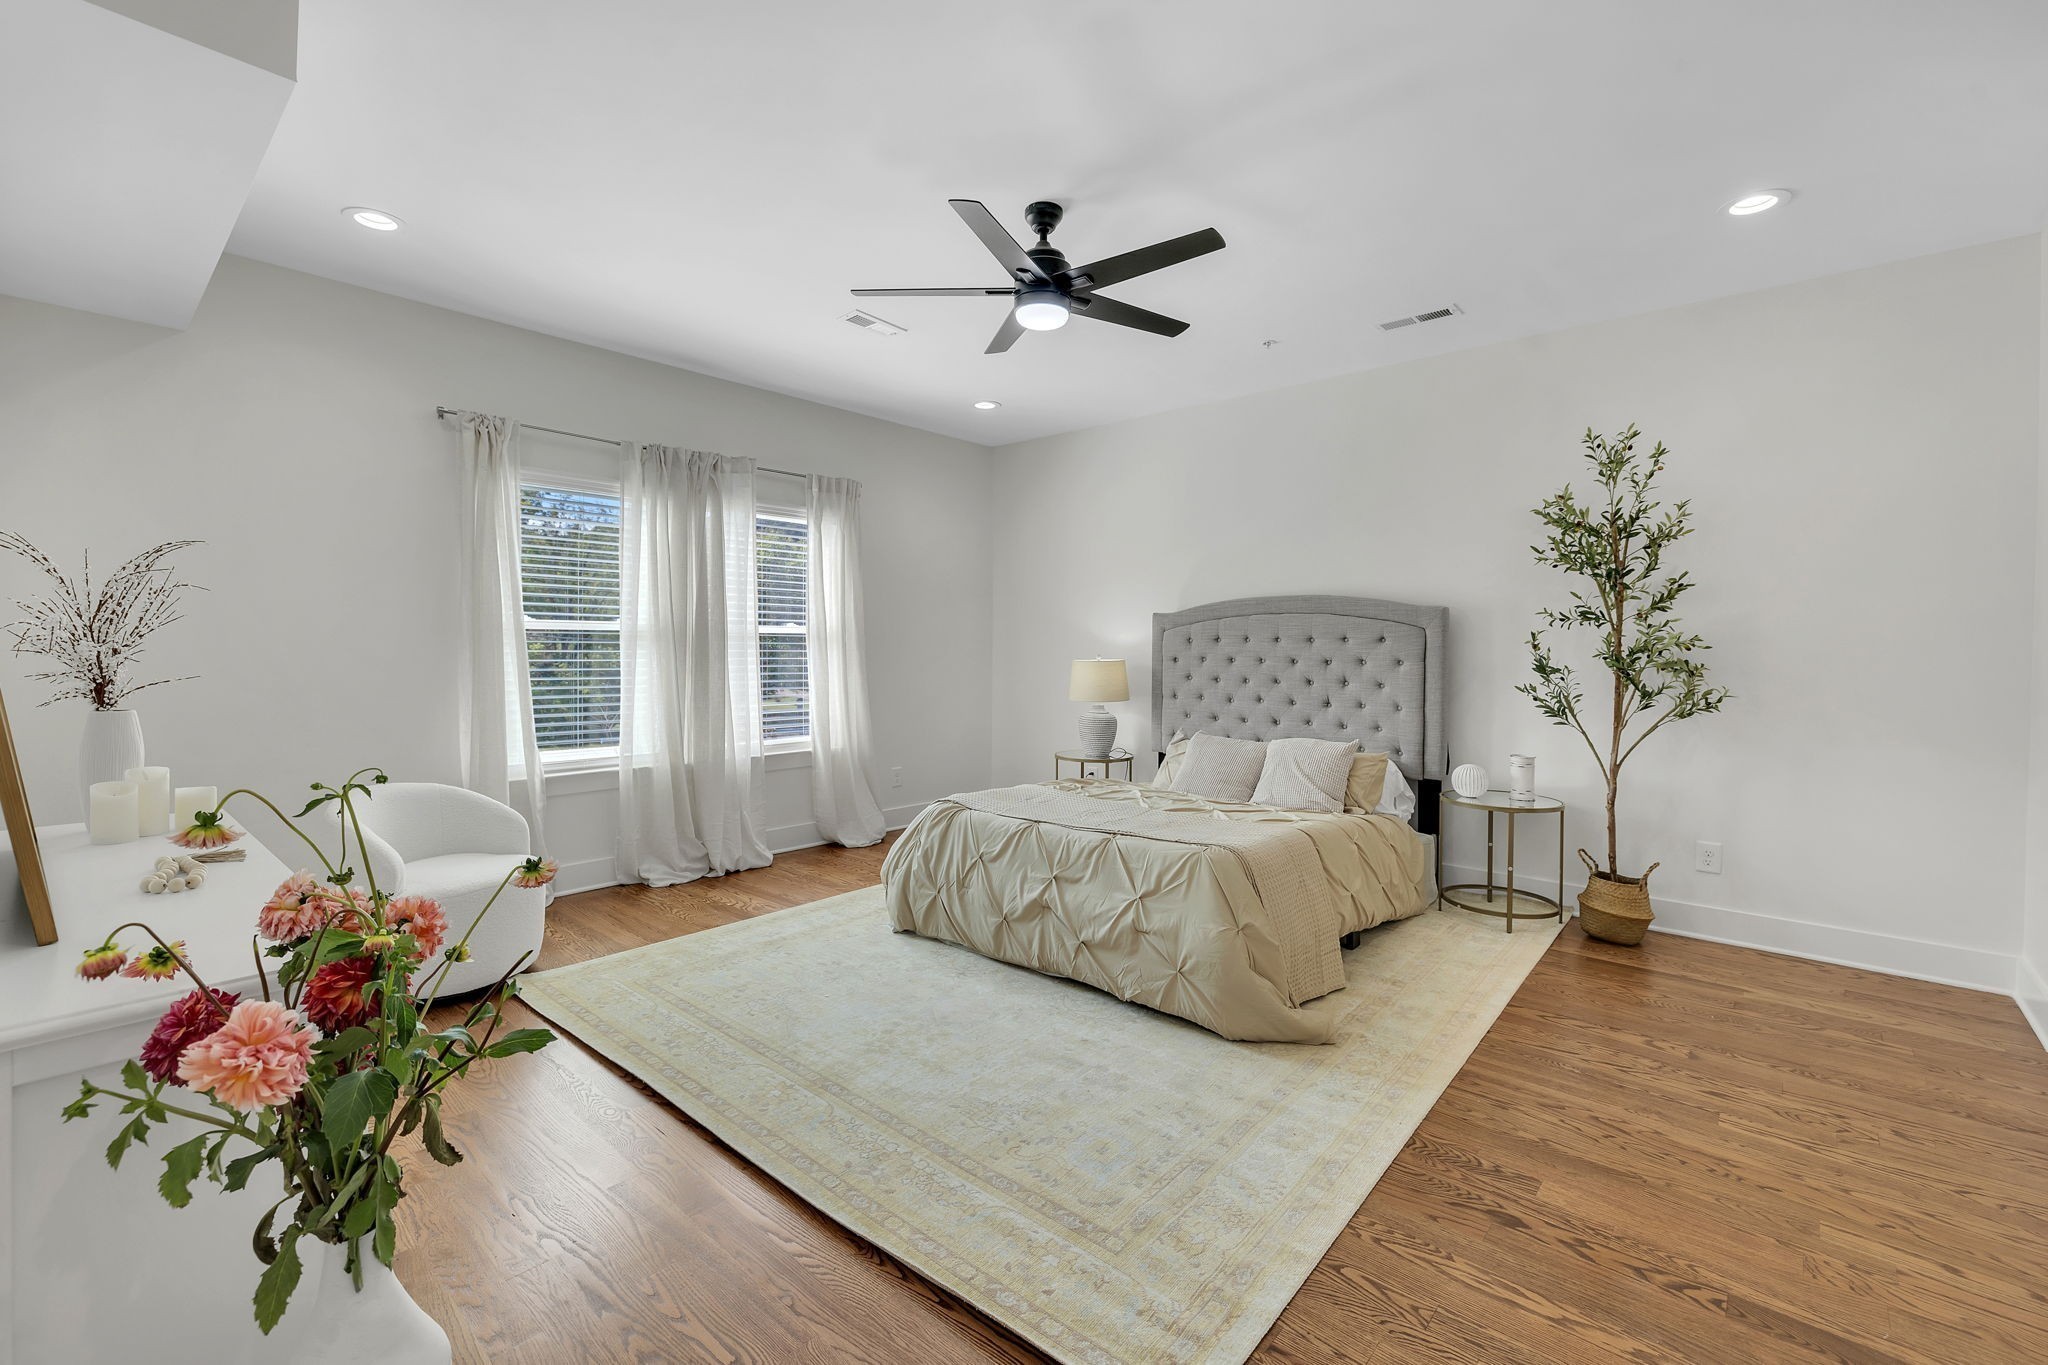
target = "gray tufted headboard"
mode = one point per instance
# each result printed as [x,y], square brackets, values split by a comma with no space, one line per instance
[1345,668]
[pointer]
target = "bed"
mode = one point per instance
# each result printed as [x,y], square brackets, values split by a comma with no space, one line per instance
[1231,915]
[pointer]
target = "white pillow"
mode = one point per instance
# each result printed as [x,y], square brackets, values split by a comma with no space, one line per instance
[1169,766]
[1220,769]
[1305,774]
[1397,798]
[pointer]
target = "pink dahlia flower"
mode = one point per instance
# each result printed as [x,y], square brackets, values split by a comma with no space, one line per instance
[423,919]
[157,963]
[183,1024]
[103,961]
[256,1059]
[301,904]
[205,831]
[535,872]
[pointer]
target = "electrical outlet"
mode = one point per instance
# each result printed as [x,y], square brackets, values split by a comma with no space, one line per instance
[1709,859]
[895,777]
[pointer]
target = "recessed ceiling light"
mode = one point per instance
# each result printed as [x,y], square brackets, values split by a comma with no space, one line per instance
[1758,202]
[987,403]
[374,219]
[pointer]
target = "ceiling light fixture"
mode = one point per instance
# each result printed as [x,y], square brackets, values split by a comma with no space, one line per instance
[1758,202]
[987,403]
[1041,308]
[374,219]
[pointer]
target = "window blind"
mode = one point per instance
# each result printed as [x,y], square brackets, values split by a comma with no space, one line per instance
[569,577]
[782,555]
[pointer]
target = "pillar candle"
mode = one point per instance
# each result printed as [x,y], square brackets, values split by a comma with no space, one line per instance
[113,817]
[190,801]
[152,798]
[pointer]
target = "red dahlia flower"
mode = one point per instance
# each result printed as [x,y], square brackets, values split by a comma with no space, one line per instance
[183,1024]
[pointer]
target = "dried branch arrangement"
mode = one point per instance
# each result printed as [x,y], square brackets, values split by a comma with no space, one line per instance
[92,634]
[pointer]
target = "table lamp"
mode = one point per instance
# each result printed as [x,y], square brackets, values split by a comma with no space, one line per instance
[1098,681]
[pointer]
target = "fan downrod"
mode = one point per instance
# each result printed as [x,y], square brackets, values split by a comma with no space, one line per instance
[1043,216]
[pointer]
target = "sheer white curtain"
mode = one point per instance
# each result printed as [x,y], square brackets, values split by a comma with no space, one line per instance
[689,645]
[496,703]
[842,743]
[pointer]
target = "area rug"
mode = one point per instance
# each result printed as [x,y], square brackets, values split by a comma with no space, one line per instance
[1110,1183]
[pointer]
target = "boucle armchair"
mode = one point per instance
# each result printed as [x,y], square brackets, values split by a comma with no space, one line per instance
[455,845]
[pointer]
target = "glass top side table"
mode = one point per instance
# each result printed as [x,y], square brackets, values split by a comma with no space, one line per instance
[1062,757]
[1505,902]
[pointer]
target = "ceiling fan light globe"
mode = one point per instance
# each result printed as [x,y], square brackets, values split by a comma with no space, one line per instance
[1041,310]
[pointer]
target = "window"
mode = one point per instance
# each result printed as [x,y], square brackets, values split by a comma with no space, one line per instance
[782,559]
[569,577]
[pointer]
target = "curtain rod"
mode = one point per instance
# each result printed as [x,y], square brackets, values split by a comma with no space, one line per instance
[445,413]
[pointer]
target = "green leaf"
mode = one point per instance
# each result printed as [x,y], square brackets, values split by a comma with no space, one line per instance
[240,1169]
[361,1217]
[435,1140]
[135,1130]
[181,1164]
[274,1290]
[345,1042]
[81,1106]
[351,1101]
[385,1243]
[262,1242]
[133,1076]
[520,1040]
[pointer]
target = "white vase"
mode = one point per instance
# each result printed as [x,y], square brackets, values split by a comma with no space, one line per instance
[110,745]
[1469,781]
[329,1323]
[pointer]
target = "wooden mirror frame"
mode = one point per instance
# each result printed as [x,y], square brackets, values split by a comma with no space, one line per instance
[21,832]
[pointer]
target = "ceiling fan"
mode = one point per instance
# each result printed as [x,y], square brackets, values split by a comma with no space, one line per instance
[1047,291]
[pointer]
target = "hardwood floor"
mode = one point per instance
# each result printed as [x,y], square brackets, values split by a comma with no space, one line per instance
[1686,1152]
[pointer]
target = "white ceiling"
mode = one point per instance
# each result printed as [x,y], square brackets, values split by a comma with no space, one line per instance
[701,183]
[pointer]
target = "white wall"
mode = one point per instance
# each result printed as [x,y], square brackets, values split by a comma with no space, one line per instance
[1861,454]
[2031,986]
[292,428]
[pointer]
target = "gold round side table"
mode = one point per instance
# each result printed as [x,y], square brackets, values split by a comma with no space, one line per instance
[1504,902]
[1062,757]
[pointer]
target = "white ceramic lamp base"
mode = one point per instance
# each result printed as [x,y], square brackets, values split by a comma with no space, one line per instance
[1098,732]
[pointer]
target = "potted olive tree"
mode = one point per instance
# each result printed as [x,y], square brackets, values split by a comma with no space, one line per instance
[1615,545]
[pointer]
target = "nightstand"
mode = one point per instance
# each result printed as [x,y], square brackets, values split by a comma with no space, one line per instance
[1062,757]
[1506,902]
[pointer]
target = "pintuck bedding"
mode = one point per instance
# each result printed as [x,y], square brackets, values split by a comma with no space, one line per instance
[1227,914]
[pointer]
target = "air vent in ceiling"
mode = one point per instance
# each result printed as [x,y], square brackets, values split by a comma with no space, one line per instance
[1448,310]
[874,324]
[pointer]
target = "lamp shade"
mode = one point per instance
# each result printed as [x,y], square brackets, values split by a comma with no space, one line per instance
[1098,680]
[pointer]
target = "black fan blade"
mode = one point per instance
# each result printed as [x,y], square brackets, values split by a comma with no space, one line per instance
[1124,315]
[930,293]
[1006,335]
[1000,244]
[1146,259]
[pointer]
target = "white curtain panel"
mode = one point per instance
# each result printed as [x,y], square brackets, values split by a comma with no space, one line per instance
[496,703]
[842,740]
[689,645]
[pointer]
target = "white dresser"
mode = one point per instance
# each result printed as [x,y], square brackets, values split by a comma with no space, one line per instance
[94,1266]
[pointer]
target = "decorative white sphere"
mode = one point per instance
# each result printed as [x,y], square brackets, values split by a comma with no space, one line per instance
[1469,780]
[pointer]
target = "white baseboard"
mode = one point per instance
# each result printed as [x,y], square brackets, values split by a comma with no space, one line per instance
[1921,959]
[590,874]
[2031,990]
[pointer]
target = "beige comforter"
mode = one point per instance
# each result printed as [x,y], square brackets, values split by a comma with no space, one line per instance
[1224,913]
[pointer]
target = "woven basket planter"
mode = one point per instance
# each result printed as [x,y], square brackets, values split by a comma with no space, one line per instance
[1615,909]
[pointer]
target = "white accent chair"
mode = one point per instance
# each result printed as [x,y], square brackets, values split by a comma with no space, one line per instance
[455,846]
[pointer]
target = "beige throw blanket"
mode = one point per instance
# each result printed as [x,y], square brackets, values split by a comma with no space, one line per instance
[1226,914]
